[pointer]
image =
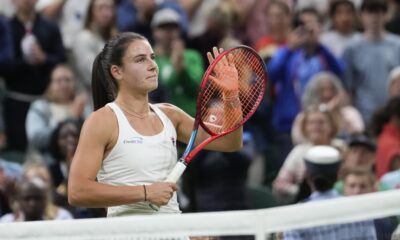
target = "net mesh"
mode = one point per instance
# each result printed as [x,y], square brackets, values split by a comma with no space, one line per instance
[272,223]
[251,85]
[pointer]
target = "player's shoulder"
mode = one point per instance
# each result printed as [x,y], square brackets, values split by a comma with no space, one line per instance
[173,112]
[167,107]
[103,118]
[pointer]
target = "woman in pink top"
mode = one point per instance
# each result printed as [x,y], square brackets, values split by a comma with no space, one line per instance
[386,127]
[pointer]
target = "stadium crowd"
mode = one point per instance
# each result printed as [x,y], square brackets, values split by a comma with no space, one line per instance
[333,79]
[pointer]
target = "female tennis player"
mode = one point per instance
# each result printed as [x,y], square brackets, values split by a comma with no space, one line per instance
[127,147]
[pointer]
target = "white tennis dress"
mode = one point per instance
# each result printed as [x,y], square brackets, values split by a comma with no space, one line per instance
[136,160]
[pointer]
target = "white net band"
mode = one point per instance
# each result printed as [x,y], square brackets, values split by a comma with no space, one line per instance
[257,223]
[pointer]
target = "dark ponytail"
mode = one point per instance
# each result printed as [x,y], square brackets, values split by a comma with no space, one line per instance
[104,86]
[384,115]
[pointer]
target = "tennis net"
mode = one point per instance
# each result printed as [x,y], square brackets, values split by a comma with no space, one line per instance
[251,224]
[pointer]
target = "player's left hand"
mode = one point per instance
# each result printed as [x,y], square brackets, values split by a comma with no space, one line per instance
[225,73]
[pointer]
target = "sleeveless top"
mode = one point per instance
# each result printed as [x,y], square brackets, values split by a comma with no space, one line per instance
[140,160]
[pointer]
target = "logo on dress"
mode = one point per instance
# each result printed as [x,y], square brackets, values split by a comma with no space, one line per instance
[133,140]
[173,141]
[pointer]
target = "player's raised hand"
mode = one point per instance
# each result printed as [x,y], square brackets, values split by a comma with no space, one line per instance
[225,73]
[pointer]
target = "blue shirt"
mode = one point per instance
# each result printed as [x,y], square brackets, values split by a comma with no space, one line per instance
[367,69]
[364,230]
[290,71]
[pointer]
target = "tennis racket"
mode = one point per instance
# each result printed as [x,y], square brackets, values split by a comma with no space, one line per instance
[218,111]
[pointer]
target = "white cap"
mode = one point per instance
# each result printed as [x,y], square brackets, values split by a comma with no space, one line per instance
[164,16]
[322,155]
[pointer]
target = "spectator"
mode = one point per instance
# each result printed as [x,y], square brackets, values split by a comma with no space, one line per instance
[180,69]
[32,198]
[279,18]
[386,127]
[343,14]
[360,153]
[38,48]
[370,59]
[322,164]
[99,27]
[63,142]
[60,102]
[362,181]
[319,128]
[35,168]
[290,70]
[326,91]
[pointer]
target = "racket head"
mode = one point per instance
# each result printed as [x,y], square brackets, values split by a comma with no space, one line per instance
[252,80]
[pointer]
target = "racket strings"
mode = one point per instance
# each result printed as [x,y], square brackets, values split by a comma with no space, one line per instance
[251,76]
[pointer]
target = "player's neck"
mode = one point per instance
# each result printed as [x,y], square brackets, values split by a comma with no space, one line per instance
[138,108]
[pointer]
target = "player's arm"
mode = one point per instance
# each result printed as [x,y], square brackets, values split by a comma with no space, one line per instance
[184,124]
[96,137]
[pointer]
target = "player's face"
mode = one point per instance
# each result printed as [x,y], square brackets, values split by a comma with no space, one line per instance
[139,69]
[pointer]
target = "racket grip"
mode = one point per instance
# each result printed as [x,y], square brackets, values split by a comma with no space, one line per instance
[177,172]
[173,176]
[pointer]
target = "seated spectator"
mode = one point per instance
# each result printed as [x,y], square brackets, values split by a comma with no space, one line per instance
[322,164]
[386,127]
[361,181]
[326,91]
[343,14]
[35,168]
[59,103]
[319,128]
[32,197]
[63,142]
[58,206]
[360,153]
